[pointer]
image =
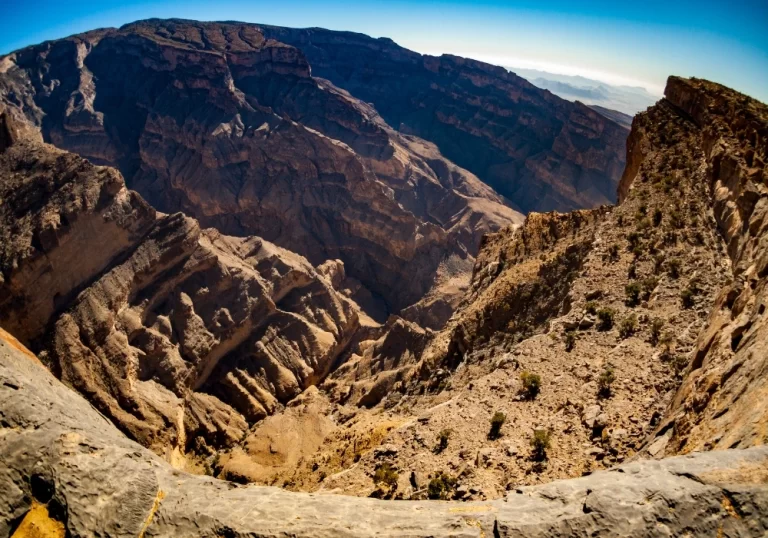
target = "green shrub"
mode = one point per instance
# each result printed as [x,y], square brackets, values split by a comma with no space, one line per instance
[670,237]
[385,475]
[531,385]
[605,317]
[497,421]
[667,340]
[540,443]
[648,285]
[633,290]
[442,439]
[679,363]
[687,298]
[570,340]
[632,271]
[658,263]
[441,486]
[628,326]
[657,217]
[613,252]
[656,326]
[676,219]
[605,380]
[673,268]
[591,307]
[634,240]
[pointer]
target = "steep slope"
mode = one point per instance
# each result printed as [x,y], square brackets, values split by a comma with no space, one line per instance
[643,324]
[226,125]
[543,153]
[181,336]
[723,401]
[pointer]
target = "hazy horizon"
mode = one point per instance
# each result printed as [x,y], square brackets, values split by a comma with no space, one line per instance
[634,45]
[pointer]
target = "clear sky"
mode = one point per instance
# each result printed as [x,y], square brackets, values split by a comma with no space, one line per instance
[637,43]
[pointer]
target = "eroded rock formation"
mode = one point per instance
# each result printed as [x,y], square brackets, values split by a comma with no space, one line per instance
[149,315]
[643,323]
[723,402]
[228,126]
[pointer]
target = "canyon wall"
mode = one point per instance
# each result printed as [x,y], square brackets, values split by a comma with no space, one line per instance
[226,125]
[540,151]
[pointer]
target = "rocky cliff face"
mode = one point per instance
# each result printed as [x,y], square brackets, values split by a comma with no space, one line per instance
[226,125]
[722,402]
[541,152]
[181,336]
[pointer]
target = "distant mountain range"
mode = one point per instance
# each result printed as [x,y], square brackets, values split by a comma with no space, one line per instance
[627,99]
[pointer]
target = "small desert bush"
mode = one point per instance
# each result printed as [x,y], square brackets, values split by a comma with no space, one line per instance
[570,340]
[676,219]
[673,268]
[497,421]
[385,475]
[657,217]
[605,317]
[613,252]
[604,381]
[540,443]
[628,326]
[531,384]
[442,439]
[656,326]
[687,298]
[633,290]
[441,486]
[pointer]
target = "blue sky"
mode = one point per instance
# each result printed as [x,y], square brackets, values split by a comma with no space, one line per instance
[630,43]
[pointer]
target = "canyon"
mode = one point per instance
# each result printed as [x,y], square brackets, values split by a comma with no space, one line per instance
[317,260]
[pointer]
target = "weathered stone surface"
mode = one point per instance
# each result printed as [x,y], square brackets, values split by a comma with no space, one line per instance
[608,307]
[58,452]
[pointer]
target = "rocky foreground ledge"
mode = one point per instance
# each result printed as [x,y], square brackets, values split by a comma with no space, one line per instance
[65,470]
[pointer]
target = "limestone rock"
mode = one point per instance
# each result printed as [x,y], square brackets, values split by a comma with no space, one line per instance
[73,455]
[174,333]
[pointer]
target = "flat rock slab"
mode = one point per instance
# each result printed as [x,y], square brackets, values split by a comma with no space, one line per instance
[60,459]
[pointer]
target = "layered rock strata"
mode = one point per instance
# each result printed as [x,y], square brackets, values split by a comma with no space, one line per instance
[543,153]
[182,336]
[227,125]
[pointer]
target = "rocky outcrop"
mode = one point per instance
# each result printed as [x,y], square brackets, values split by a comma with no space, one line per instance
[58,454]
[228,126]
[181,336]
[538,150]
[723,402]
